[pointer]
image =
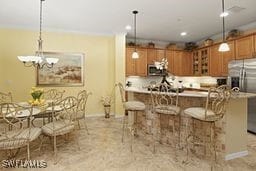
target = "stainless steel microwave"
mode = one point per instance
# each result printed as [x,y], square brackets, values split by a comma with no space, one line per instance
[152,70]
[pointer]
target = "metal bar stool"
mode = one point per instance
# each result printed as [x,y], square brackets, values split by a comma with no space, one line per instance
[130,106]
[166,103]
[213,111]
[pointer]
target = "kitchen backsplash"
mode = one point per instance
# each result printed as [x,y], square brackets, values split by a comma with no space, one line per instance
[192,82]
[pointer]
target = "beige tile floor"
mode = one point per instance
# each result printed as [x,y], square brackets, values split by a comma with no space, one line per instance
[103,150]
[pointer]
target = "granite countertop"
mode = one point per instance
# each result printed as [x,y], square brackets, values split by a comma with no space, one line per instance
[191,93]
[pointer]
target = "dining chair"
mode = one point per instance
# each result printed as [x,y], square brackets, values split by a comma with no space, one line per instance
[165,104]
[52,95]
[64,123]
[82,98]
[130,106]
[213,111]
[19,136]
[5,97]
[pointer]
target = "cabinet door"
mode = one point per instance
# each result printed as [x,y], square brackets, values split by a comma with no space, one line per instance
[204,55]
[186,64]
[215,62]
[255,45]
[227,57]
[129,62]
[170,59]
[151,55]
[160,54]
[177,63]
[141,63]
[196,66]
[244,47]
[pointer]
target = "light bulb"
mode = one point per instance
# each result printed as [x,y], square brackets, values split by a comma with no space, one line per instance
[135,55]
[52,60]
[224,47]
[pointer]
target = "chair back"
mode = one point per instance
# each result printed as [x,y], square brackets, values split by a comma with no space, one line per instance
[217,100]
[12,126]
[53,94]
[122,91]
[161,95]
[5,97]
[64,110]
[82,98]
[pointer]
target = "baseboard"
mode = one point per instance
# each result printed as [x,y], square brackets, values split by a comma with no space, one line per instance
[236,155]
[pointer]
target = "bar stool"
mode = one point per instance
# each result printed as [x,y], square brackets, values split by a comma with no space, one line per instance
[130,106]
[213,111]
[166,103]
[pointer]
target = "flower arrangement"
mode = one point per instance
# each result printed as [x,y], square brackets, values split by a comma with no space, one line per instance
[106,101]
[163,64]
[36,94]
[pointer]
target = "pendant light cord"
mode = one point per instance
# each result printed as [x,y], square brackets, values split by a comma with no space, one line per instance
[135,26]
[40,29]
[223,23]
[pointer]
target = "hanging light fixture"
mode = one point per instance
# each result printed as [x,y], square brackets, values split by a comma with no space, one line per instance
[38,60]
[224,47]
[135,54]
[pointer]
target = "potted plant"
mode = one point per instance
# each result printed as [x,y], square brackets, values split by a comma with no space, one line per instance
[106,101]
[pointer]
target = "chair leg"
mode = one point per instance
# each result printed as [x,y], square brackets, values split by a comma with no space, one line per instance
[55,149]
[78,124]
[123,128]
[28,151]
[86,127]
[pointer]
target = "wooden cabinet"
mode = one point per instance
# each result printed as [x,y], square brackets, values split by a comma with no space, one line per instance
[227,57]
[200,62]
[254,45]
[196,62]
[155,55]
[179,63]
[136,67]
[244,47]
[170,59]
[215,62]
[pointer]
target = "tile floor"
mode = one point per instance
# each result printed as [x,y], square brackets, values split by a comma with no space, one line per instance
[103,150]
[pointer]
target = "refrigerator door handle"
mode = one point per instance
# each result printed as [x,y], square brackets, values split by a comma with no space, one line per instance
[244,84]
[240,79]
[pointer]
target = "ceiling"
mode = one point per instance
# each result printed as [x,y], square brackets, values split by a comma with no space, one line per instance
[157,19]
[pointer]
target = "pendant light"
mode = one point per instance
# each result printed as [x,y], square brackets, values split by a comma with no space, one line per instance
[135,54]
[224,47]
[38,60]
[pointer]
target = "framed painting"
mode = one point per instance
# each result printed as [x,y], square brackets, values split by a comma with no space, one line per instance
[67,72]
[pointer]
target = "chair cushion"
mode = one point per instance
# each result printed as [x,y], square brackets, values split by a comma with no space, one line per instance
[134,105]
[21,138]
[199,113]
[168,110]
[60,127]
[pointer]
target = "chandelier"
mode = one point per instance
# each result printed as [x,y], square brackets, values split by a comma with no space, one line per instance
[38,60]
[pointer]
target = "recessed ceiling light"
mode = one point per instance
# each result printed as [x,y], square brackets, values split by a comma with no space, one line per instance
[183,33]
[128,27]
[224,14]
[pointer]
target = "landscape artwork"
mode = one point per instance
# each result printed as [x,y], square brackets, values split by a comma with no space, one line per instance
[67,72]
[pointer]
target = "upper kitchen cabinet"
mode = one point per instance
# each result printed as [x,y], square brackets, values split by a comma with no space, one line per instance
[244,47]
[254,44]
[186,64]
[136,67]
[215,62]
[170,59]
[227,57]
[155,55]
[200,61]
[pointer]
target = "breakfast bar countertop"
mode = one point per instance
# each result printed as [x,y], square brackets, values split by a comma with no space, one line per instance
[191,93]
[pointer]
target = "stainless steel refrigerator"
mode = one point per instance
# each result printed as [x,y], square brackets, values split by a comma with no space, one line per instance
[242,74]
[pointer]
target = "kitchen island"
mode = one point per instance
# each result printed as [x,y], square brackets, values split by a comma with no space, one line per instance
[231,138]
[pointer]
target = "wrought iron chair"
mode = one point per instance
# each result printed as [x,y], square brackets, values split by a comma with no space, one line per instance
[5,97]
[19,136]
[165,103]
[130,106]
[64,122]
[82,98]
[52,95]
[213,111]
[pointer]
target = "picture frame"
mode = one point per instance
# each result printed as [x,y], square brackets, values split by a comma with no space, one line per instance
[68,71]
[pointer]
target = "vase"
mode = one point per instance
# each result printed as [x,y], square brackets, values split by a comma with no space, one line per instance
[107,111]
